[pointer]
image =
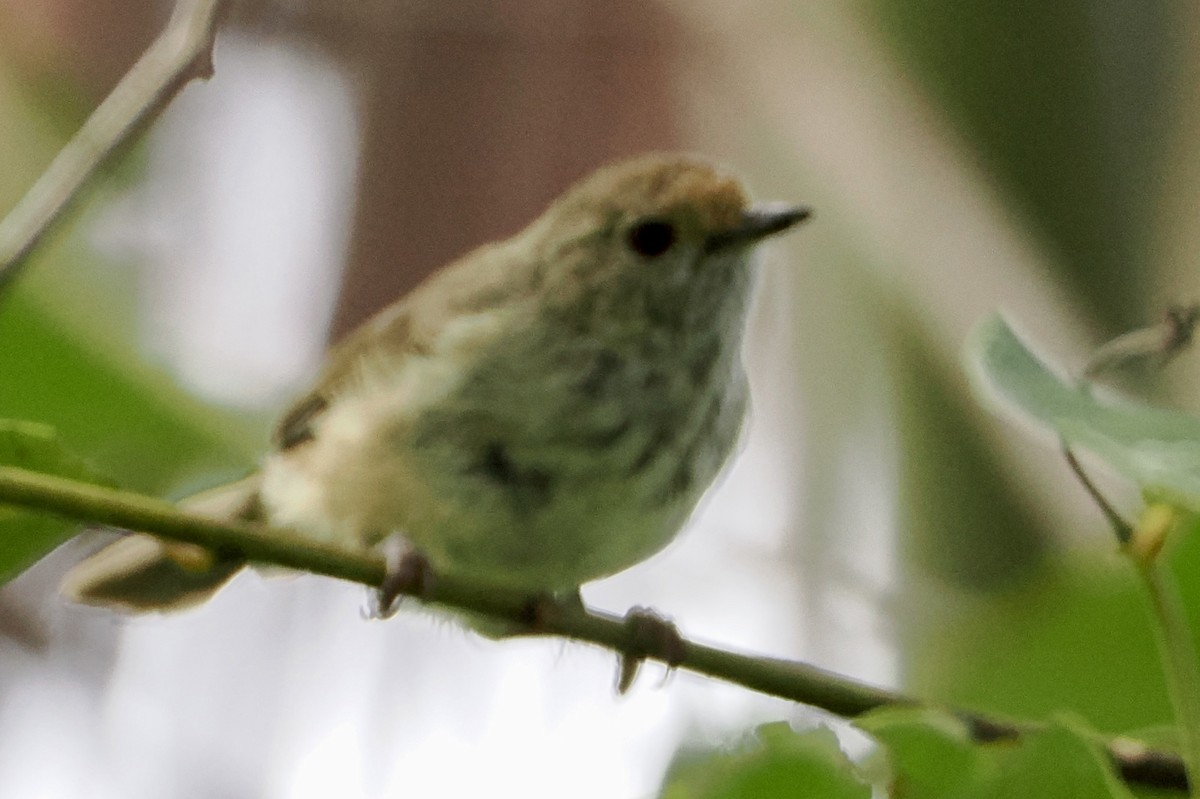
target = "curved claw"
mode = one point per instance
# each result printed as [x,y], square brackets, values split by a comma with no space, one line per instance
[408,574]
[650,635]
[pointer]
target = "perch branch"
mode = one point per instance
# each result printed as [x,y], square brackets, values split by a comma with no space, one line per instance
[795,681]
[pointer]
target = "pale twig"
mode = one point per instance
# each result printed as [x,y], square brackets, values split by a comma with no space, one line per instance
[792,680]
[181,52]
[1153,345]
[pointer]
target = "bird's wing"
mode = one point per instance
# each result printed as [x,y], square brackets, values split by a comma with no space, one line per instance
[408,327]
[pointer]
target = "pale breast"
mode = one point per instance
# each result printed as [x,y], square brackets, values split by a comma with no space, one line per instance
[579,470]
[545,475]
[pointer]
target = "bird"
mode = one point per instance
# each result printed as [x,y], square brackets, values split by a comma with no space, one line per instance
[542,412]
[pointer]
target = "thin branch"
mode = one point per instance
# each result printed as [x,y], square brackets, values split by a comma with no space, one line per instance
[181,52]
[1121,528]
[1154,345]
[795,681]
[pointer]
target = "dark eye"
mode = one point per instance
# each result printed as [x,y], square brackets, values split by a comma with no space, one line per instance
[652,237]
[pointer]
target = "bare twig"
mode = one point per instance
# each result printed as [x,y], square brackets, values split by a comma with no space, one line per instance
[181,52]
[1121,528]
[1153,345]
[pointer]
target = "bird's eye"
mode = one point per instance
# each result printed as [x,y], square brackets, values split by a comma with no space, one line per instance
[652,237]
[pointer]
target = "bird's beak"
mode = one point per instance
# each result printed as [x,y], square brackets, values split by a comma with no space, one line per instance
[757,223]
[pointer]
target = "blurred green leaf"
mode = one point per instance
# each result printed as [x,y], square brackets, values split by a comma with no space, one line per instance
[1077,638]
[930,753]
[932,756]
[776,762]
[1157,449]
[1060,761]
[26,536]
[128,419]
[34,446]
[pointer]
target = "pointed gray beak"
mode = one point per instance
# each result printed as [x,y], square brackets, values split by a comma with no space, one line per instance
[758,222]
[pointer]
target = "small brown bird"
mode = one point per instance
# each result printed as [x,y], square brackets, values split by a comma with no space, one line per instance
[543,412]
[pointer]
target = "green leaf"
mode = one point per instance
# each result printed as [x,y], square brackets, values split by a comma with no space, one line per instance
[1156,448]
[1075,637]
[1060,761]
[931,754]
[776,762]
[134,424]
[26,536]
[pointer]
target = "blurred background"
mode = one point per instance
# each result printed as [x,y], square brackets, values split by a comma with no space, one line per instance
[1036,157]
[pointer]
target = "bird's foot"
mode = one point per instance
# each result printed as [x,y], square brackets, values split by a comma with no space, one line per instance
[408,574]
[649,636]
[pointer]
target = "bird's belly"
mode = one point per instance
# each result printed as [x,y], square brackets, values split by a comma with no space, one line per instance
[586,517]
[590,533]
[478,500]
[467,525]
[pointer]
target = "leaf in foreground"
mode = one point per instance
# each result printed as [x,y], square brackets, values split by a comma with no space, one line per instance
[1156,448]
[932,756]
[776,762]
[1061,761]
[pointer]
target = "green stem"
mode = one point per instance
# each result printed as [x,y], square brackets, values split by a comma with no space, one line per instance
[795,681]
[1178,651]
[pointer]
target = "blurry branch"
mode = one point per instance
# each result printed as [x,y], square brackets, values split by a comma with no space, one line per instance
[1122,529]
[1176,645]
[1154,345]
[798,682]
[183,51]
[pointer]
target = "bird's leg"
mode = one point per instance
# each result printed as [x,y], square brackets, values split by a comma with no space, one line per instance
[408,574]
[650,635]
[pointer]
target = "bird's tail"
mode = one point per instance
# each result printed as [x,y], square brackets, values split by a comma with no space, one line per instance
[140,573]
